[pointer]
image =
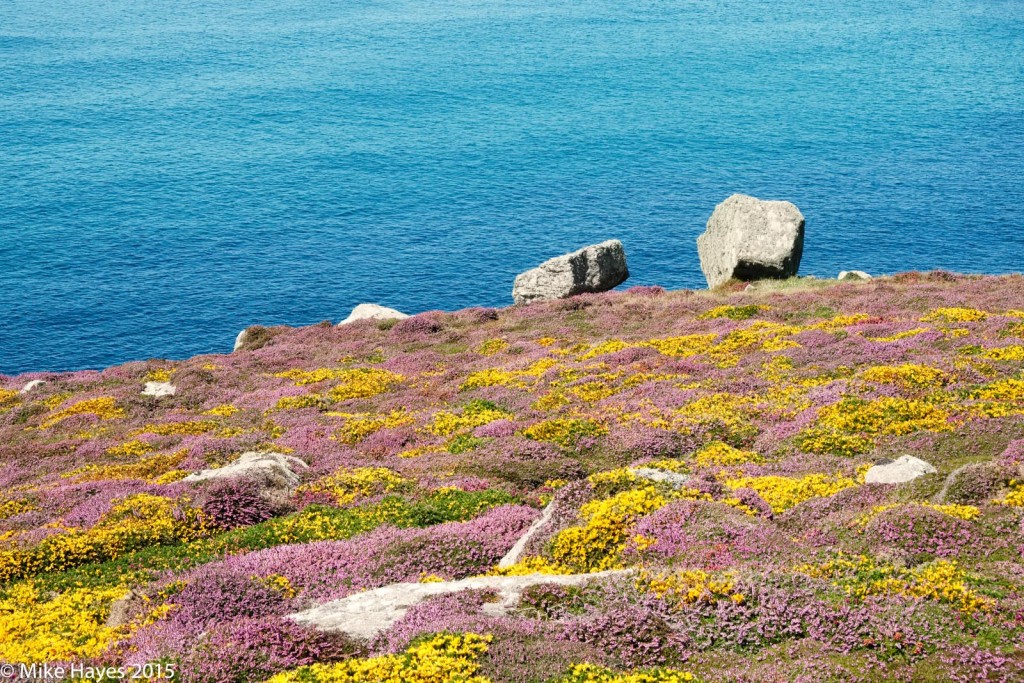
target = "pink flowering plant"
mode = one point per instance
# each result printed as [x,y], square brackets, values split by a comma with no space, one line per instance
[705,457]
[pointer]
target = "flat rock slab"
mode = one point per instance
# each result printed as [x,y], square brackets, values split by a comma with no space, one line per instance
[673,479]
[516,553]
[751,239]
[901,470]
[275,470]
[372,312]
[596,268]
[159,389]
[366,614]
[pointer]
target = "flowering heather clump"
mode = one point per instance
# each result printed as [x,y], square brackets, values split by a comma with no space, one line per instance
[1014,453]
[256,649]
[713,444]
[921,532]
[236,503]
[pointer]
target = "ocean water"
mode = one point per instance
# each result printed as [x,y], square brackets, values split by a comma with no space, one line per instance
[171,172]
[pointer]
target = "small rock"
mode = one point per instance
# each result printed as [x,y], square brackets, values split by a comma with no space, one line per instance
[901,470]
[32,385]
[122,609]
[364,615]
[240,339]
[159,389]
[372,312]
[853,275]
[751,239]
[673,479]
[274,470]
[596,268]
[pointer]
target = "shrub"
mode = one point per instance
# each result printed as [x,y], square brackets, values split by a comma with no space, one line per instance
[238,502]
[255,649]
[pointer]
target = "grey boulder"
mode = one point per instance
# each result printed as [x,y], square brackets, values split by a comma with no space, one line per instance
[751,239]
[596,268]
[901,470]
[853,275]
[372,312]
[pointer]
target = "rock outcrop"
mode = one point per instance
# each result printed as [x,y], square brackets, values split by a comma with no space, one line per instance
[34,384]
[899,471]
[517,551]
[273,470]
[159,389]
[751,239]
[240,339]
[673,479]
[853,275]
[366,614]
[372,312]
[596,268]
[256,337]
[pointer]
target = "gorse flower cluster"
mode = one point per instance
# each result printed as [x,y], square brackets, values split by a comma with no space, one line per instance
[66,627]
[941,580]
[346,485]
[698,461]
[135,522]
[589,673]
[445,658]
[102,408]
[349,383]
[783,493]
[595,546]
[476,413]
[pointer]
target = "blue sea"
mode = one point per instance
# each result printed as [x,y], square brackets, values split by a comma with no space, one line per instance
[171,172]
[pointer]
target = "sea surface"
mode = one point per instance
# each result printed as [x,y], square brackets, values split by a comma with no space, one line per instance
[171,172]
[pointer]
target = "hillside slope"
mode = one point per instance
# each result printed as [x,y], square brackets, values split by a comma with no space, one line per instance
[433,444]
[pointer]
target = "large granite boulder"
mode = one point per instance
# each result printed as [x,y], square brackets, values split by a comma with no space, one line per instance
[273,470]
[372,312]
[596,268]
[751,239]
[899,471]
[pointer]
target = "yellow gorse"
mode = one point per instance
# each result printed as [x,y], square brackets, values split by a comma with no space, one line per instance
[104,408]
[444,658]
